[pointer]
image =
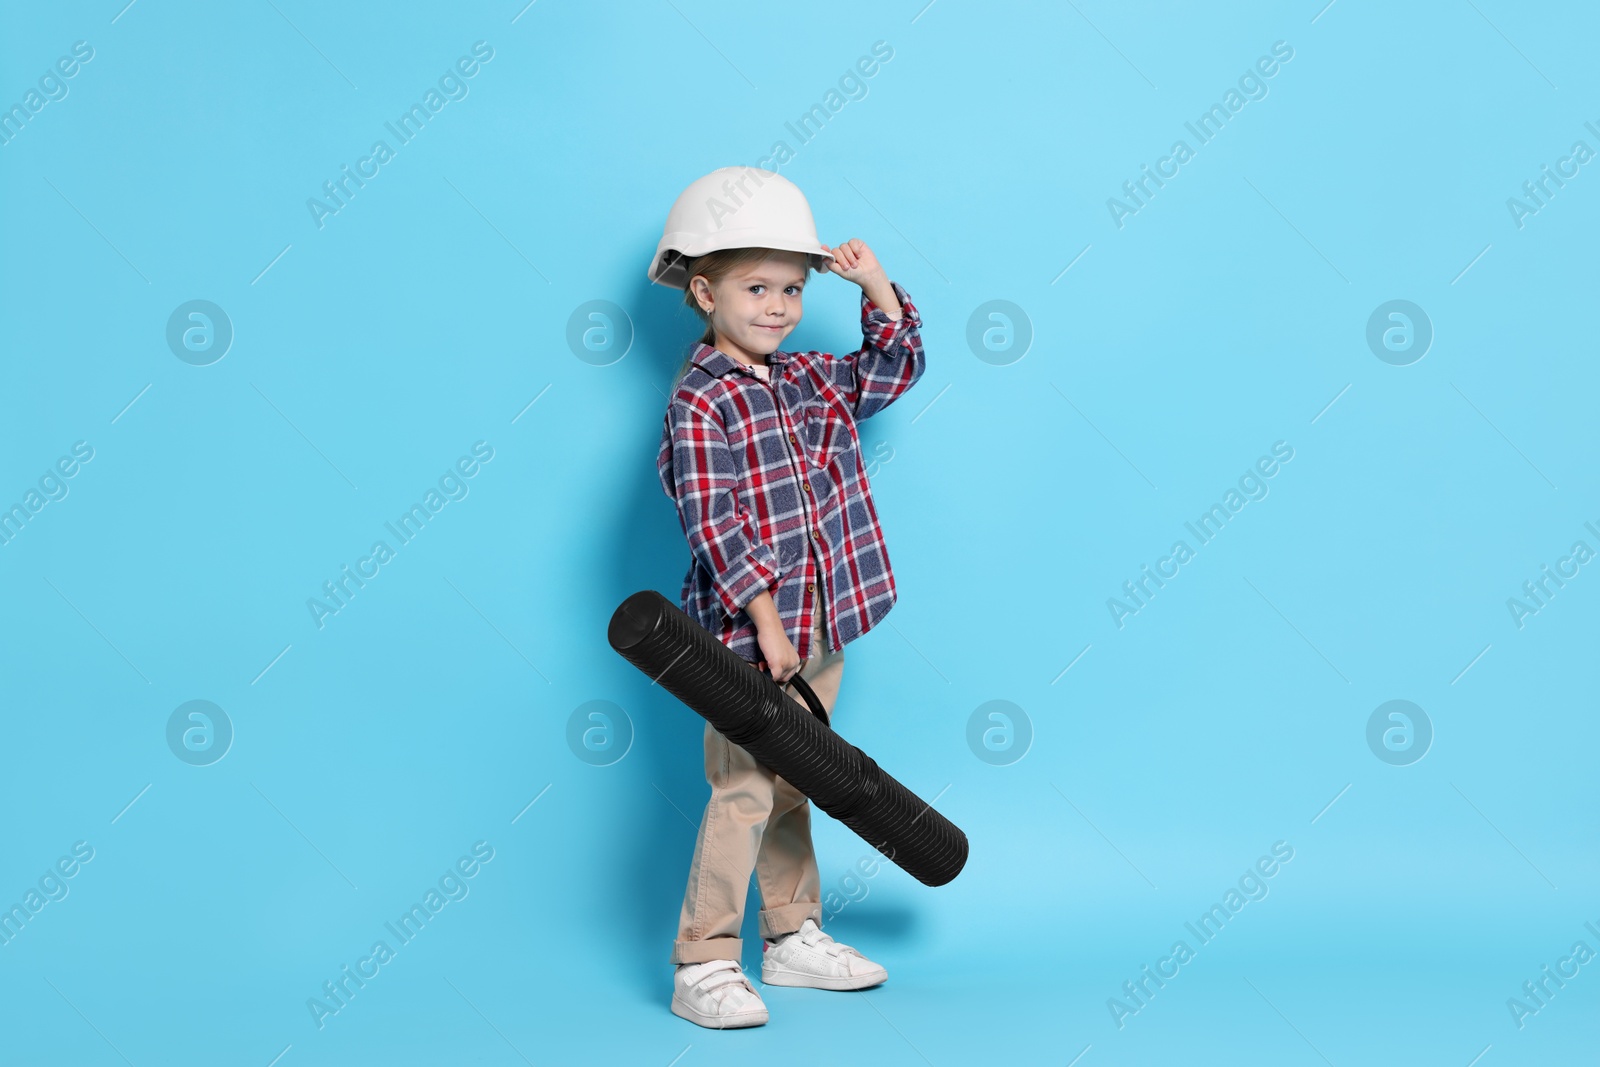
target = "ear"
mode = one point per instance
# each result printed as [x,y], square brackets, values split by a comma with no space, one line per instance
[699,287]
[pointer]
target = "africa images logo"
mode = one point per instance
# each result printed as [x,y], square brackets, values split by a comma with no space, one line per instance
[452,85]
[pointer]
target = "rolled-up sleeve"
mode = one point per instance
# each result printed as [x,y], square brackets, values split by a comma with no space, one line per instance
[890,359]
[698,471]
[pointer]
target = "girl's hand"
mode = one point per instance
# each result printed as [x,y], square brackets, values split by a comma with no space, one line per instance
[782,658]
[854,262]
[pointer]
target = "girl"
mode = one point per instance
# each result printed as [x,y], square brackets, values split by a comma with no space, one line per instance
[760,453]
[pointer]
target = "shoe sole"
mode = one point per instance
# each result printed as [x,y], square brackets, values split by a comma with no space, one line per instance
[719,1022]
[775,976]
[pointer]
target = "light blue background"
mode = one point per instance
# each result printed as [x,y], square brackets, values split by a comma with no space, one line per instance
[1228,314]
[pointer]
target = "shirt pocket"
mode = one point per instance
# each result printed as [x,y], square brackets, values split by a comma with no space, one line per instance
[826,435]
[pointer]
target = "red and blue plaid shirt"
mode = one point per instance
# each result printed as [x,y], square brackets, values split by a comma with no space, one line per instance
[770,488]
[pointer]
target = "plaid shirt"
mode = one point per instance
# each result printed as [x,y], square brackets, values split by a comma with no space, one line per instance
[770,487]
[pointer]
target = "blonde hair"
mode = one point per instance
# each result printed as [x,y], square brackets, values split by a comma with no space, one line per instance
[717,266]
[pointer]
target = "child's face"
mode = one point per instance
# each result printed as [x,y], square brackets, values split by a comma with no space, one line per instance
[757,306]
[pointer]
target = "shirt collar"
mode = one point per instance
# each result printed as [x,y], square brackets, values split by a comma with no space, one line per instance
[717,363]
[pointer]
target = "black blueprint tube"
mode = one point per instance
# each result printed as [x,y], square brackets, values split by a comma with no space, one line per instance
[754,712]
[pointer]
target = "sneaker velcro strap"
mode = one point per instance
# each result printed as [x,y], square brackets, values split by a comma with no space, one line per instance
[719,973]
[814,937]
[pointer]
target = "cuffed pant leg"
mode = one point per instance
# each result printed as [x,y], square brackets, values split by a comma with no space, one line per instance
[724,853]
[786,865]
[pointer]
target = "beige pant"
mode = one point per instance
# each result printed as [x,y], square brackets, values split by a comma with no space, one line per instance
[754,821]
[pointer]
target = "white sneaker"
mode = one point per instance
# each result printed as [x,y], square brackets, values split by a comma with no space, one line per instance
[810,958]
[716,994]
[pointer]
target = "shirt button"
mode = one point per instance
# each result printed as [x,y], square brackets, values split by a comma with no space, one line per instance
[806,486]
[792,441]
[811,587]
[816,535]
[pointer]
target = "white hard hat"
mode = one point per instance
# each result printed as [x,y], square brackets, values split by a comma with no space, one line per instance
[735,207]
